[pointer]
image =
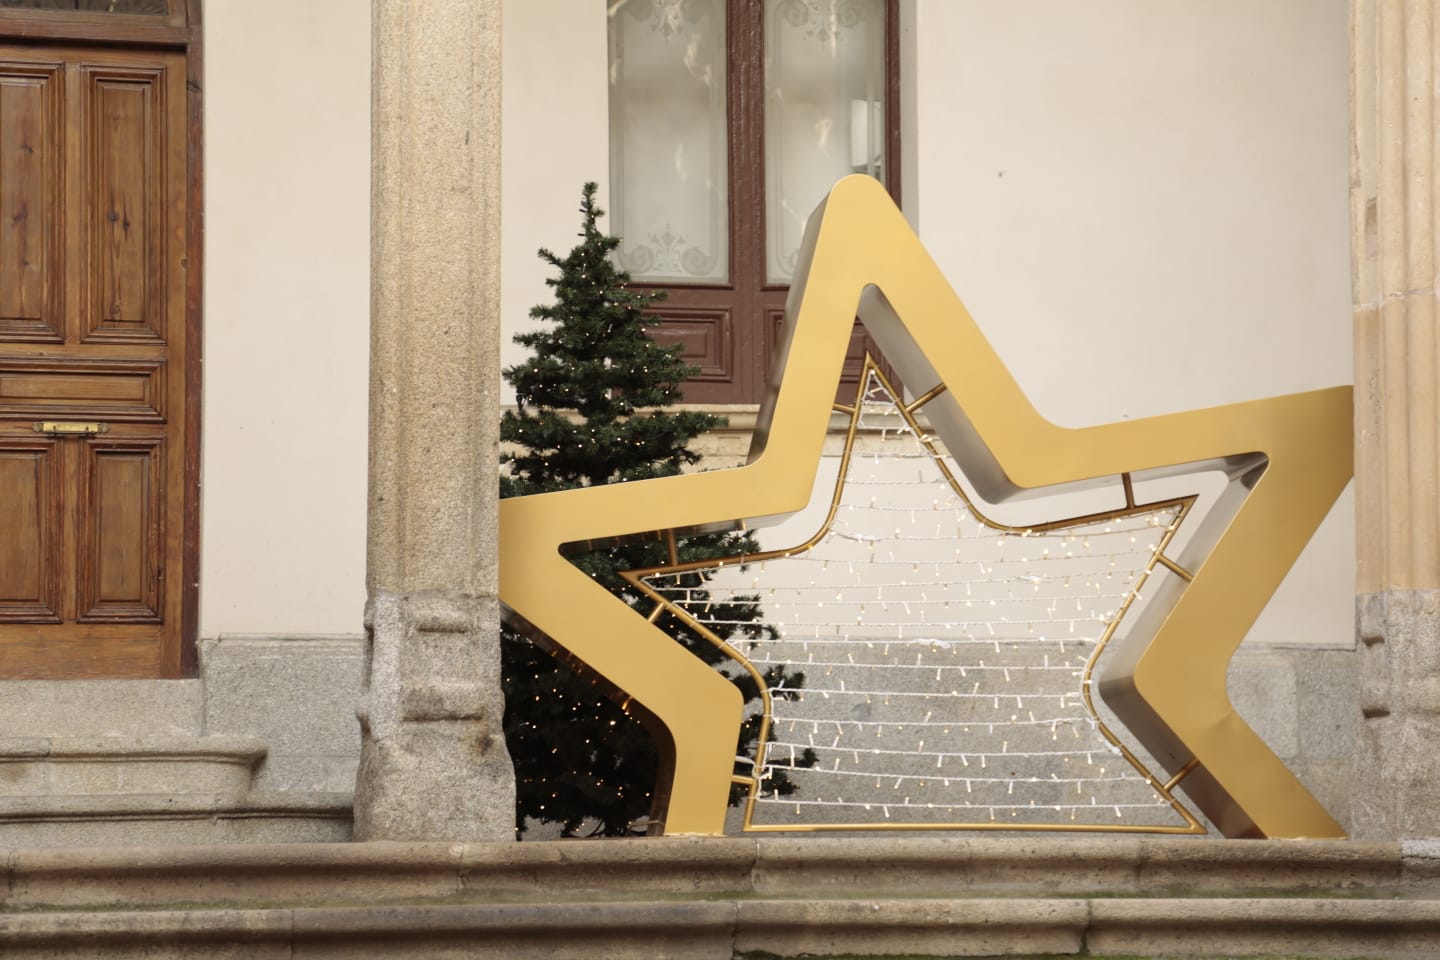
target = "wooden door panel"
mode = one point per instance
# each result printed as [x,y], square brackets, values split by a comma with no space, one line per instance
[123,205]
[120,526]
[704,337]
[82,387]
[31,164]
[104,652]
[30,487]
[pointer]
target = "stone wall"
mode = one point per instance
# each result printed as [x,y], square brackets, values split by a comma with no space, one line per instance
[299,695]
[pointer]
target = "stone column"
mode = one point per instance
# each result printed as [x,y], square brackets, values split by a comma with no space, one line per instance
[1397,422]
[433,763]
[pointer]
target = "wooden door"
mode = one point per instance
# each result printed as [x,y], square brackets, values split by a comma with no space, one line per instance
[93,240]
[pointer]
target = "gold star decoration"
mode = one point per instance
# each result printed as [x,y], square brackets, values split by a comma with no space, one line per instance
[1285,459]
[899,623]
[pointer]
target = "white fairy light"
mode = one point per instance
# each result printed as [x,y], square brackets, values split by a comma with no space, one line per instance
[945,660]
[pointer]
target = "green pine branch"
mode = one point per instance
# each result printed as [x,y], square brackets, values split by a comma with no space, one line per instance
[593,406]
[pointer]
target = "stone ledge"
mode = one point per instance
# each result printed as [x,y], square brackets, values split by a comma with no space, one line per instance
[1129,866]
[163,820]
[1312,927]
[703,898]
[936,928]
[767,868]
[720,929]
[141,806]
[223,749]
[45,770]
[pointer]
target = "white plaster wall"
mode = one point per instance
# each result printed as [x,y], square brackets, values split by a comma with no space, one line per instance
[287,253]
[1144,205]
[1143,202]
[555,104]
[287,279]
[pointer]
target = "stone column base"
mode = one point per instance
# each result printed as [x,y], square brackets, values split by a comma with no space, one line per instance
[433,761]
[1397,766]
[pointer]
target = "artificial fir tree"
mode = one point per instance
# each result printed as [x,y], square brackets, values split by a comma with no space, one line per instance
[592,407]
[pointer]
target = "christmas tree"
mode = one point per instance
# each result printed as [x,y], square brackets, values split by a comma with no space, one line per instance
[594,405]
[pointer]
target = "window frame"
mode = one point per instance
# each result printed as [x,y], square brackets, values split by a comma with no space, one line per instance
[730,330]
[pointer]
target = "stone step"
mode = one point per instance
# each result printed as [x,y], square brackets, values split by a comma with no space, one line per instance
[67,767]
[150,820]
[101,708]
[93,791]
[723,898]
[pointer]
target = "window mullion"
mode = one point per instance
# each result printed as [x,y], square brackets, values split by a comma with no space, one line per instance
[747,182]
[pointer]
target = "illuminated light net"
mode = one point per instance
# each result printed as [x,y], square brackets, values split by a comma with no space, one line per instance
[946,661]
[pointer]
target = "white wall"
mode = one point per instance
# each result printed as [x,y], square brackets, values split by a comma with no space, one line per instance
[556,137]
[287,254]
[287,142]
[1144,205]
[1143,202]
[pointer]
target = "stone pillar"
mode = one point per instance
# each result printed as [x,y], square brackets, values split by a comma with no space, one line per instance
[1397,422]
[433,763]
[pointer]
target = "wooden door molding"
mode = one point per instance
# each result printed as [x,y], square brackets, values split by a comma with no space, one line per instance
[194,341]
[176,27]
[100,294]
[120,531]
[31,477]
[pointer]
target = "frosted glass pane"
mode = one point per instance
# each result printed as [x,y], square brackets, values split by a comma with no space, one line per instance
[824,111]
[668,169]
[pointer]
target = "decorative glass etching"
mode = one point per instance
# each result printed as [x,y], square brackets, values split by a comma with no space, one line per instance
[668,166]
[824,119]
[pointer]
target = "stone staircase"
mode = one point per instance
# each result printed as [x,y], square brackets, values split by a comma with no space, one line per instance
[719,899]
[92,763]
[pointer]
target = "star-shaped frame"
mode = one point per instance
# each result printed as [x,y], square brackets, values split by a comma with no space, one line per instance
[963,731]
[1286,458]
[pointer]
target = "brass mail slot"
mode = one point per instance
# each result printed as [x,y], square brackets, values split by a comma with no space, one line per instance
[71,428]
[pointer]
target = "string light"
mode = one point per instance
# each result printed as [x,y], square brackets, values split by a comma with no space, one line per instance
[945,661]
